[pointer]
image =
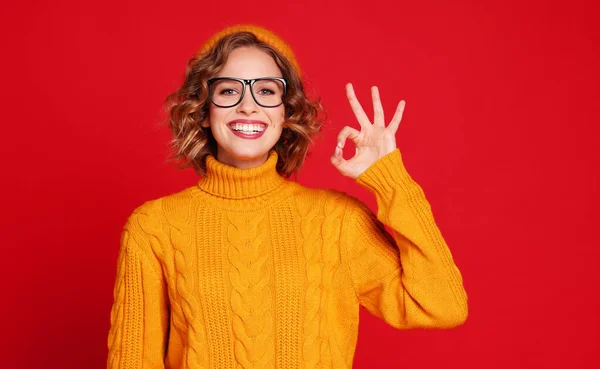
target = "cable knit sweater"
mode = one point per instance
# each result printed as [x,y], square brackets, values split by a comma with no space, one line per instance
[247,269]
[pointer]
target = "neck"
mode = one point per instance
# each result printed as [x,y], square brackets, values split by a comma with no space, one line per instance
[231,161]
[226,181]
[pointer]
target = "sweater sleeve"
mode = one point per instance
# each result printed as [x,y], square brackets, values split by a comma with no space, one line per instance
[139,318]
[409,278]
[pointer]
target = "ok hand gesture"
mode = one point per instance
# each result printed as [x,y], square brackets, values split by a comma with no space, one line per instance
[373,142]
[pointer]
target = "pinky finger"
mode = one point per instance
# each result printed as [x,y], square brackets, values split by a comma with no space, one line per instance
[397,116]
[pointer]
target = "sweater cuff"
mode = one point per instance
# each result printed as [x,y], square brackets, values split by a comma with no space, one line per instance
[387,176]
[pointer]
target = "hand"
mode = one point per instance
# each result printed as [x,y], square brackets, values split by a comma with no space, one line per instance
[373,142]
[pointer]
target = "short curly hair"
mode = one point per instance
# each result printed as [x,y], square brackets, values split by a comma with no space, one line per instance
[189,106]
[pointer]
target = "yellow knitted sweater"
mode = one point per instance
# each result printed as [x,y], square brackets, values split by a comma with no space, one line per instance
[247,269]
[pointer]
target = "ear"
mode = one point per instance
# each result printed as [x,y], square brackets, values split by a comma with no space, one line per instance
[205,123]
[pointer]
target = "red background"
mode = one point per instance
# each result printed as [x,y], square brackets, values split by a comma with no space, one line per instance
[500,130]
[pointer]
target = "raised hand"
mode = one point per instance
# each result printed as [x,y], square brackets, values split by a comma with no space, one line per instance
[374,140]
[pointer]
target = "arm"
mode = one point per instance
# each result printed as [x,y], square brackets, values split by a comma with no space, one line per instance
[140,315]
[410,280]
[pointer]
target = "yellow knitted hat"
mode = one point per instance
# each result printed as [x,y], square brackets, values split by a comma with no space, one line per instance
[262,34]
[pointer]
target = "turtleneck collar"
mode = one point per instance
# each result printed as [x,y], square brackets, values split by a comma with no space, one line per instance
[225,181]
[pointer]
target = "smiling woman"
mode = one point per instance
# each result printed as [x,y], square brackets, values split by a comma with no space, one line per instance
[245,149]
[247,269]
[243,76]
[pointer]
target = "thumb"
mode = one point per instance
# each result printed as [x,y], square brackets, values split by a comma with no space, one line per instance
[338,160]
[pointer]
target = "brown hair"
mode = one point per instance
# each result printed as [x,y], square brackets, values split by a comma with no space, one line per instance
[189,106]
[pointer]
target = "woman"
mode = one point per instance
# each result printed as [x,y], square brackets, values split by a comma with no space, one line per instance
[247,269]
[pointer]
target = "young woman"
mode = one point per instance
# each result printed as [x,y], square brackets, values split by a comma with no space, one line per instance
[247,269]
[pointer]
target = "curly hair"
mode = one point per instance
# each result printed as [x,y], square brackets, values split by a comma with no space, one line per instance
[189,106]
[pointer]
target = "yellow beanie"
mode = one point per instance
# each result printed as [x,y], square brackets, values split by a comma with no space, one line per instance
[262,34]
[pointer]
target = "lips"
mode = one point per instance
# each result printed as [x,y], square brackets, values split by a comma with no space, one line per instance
[242,122]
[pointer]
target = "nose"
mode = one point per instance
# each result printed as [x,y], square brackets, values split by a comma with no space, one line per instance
[247,105]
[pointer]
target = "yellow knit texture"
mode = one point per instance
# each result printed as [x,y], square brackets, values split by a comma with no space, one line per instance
[247,269]
[263,34]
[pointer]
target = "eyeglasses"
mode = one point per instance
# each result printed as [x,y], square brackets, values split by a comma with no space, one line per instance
[226,92]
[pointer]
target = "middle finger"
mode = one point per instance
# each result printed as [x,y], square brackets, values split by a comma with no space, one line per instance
[362,118]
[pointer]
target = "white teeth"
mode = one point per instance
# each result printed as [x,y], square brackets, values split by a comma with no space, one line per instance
[247,128]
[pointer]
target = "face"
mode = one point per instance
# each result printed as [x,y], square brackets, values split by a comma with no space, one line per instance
[234,149]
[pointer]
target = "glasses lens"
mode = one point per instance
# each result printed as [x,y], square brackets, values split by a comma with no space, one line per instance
[226,92]
[268,92]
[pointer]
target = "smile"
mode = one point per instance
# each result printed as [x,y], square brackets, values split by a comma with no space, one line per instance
[247,128]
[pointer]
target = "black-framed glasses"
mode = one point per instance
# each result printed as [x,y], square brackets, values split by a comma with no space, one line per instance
[226,92]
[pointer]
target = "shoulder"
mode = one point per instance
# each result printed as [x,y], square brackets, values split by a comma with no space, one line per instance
[154,215]
[330,200]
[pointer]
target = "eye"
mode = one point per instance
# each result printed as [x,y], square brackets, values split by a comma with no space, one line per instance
[224,91]
[266,91]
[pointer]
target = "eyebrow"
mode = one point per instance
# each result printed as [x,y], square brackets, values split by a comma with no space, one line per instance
[248,78]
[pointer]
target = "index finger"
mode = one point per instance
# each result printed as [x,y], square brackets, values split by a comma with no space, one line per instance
[360,114]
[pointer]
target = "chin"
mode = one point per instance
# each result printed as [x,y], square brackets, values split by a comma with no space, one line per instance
[246,153]
[250,154]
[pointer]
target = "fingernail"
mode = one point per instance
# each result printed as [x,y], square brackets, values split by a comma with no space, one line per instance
[337,151]
[339,144]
